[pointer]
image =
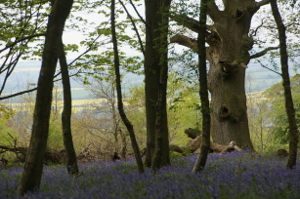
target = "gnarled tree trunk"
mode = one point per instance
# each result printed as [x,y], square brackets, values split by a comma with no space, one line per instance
[228,57]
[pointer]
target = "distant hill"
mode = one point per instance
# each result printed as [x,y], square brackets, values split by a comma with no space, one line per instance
[27,72]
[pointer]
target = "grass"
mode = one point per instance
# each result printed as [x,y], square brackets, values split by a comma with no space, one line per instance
[233,175]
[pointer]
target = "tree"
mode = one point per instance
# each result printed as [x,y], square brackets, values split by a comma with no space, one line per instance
[66,114]
[31,176]
[205,141]
[105,90]
[125,119]
[229,42]
[289,105]
[156,74]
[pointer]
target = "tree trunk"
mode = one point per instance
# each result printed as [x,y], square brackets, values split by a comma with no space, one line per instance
[32,173]
[228,56]
[72,167]
[205,143]
[124,144]
[115,117]
[289,105]
[161,152]
[125,120]
[155,63]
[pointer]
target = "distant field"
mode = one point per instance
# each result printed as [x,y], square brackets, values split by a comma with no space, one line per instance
[81,93]
[77,105]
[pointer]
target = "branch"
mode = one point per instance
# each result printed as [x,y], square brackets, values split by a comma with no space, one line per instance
[262,3]
[134,26]
[254,32]
[270,69]
[186,21]
[262,53]
[19,40]
[185,41]
[14,149]
[17,94]
[137,12]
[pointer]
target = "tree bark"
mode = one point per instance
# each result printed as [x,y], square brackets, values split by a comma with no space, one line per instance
[205,143]
[155,82]
[227,54]
[32,173]
[72,167]
[289,105]
[161,151]
[125,120]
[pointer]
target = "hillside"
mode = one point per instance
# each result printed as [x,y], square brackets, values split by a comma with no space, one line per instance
[26,75]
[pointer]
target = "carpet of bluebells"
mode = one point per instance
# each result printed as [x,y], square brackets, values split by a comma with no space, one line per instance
[232,175]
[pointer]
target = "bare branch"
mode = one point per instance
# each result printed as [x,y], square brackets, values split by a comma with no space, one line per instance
[134,26]
[262,53]
[17,94]
[254,32]
[270,69]
[137,12]
[185,41]
[186,21]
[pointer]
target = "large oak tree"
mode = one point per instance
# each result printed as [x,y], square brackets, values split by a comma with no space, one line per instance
[228,54]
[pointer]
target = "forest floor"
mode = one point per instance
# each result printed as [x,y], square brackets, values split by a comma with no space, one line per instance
[232,175]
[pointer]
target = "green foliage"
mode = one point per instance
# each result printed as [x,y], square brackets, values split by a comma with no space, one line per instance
[97,61]
[182,106]
[55,139]
[175,155]
[136,112]
[22,23]
[6,132]
[5,112]
[275,94]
